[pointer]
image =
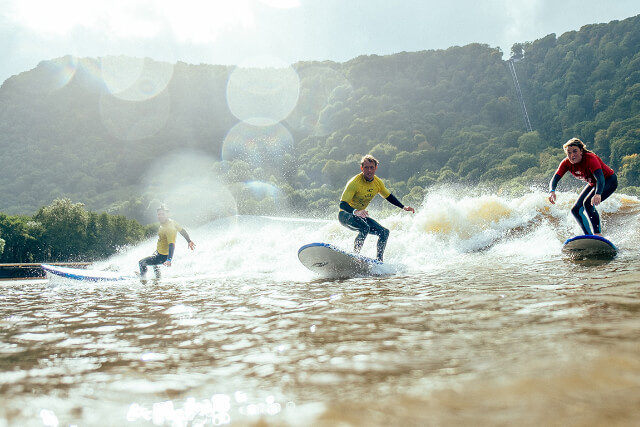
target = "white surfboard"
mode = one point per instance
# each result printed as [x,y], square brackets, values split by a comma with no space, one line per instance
[86,275]
[589,246]
[329,261]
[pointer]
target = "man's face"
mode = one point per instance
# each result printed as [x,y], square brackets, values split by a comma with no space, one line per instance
[162,216]
[368,169]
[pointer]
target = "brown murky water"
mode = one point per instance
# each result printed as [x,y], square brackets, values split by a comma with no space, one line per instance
[508,333]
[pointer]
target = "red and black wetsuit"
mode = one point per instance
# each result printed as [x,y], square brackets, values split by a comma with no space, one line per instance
[600,179]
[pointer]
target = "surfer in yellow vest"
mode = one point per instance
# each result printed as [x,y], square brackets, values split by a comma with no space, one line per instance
[601,183]
[167,234]
[359,191]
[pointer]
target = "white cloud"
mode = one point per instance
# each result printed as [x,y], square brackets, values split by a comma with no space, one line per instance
[194,21]
[56,17]
[520,21]
[202,21]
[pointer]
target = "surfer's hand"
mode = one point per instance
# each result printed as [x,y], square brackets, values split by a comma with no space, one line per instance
[409,209]
[192,245]
[552,197]
[167,263]
[362,213]
[596,200]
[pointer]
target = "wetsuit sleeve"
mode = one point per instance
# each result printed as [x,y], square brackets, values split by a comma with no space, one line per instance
[184,234]
[599,180]
[394,201]
[346,207]
[172,247]
[554,182]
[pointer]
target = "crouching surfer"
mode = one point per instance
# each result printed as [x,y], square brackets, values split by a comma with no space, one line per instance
[601,183]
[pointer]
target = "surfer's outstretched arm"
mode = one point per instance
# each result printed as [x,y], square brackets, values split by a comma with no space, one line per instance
[394,201]
[184,234]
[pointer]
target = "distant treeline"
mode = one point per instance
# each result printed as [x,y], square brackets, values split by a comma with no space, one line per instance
[430,117]
[65,231]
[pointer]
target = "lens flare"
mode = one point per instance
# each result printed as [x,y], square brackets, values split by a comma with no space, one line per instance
[259,146]
[135,79]
[89,74]
[264,95]
[321,89]
[191,189]
[120,72]
[261,190]
[54,75]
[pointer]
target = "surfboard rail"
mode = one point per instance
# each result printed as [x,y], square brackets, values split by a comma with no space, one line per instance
[84,274]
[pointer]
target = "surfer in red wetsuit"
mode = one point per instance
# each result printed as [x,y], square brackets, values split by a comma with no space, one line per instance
[601,183]
[166,243]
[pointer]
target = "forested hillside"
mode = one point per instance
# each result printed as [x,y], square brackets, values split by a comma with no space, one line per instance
[430,117]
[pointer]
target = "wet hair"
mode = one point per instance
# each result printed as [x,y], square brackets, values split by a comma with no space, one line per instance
[575,142]
[368,158]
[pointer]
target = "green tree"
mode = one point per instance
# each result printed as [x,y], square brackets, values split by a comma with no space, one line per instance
[630,170]
[531,142]
[522,161]
[622,147]
[338,173]
[21,237]
[65,229]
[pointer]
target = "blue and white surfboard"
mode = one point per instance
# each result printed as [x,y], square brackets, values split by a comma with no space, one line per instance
[589,246]
[85,275]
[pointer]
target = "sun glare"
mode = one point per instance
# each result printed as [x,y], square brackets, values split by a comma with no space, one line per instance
[282,4]
[57,17]
[201,22]
[192,21]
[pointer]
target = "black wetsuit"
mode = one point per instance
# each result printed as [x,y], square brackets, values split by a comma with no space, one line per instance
[366,226]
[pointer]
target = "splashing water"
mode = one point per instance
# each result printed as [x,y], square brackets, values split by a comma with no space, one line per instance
[442,233]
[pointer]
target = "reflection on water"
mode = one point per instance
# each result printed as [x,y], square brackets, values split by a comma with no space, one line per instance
[511,334]
[219,353]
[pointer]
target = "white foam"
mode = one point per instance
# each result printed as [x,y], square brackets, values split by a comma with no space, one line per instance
[444,230]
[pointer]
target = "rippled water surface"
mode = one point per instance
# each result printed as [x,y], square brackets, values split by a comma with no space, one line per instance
[488,324]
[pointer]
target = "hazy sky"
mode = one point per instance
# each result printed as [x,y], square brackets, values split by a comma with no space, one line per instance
[239,31]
